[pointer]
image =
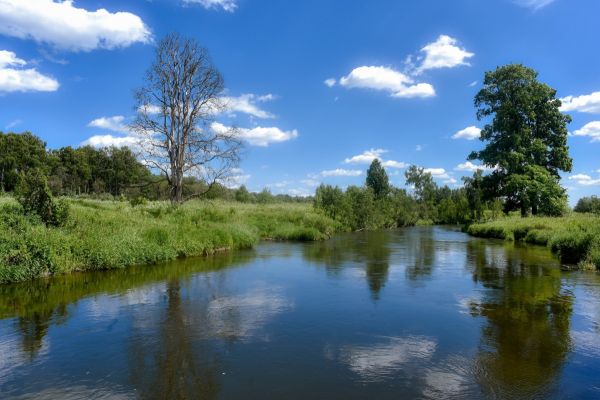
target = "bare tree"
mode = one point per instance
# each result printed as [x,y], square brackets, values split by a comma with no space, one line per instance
[175,107]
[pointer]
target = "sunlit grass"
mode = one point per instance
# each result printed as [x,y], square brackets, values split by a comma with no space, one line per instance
[106,235]
[574,237]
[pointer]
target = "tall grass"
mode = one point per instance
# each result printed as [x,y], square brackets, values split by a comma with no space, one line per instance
[575,238]
[107,235]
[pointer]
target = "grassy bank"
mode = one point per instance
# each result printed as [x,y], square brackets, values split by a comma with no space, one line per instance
[106,235]
[575,238]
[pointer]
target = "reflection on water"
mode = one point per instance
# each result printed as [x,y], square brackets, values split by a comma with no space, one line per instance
[415,313]
[526,337]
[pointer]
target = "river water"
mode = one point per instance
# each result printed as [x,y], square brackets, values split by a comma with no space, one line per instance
[413,313]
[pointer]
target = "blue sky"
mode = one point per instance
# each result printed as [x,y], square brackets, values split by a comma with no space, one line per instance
[319,88]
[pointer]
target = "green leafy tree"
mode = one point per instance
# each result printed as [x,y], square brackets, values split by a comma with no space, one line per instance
[19,152]
[35,197]
[588,205]
[242,195]
[377,179]
[527,130]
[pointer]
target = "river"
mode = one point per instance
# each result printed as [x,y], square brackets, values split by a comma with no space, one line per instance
[424,312]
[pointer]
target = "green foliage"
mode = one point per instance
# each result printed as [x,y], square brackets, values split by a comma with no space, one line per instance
[35,197]
[19,153]
[588,205]
[574,238]
[377,179]
[108,235]
[526,141]
[242,195]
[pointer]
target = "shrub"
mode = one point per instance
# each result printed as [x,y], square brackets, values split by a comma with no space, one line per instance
[35,197]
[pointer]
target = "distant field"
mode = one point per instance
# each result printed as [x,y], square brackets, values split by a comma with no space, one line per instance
[575,237]
[106,234]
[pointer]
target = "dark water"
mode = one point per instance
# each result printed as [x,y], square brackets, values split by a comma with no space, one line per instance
[416,313]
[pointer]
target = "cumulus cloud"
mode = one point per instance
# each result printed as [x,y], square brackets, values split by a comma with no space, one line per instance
[63,25]
[330,82]
[260,136]
[439,173]
[591,129]
[247,104]
[237,178]
[386,79]
[15,77]
[341,172]
[110,141]
[533,4]
[443,53]
[115,124]
[469,166]
[226,5]
[587,103]
[393,164]
[469,133]
[585,180]
[367,157]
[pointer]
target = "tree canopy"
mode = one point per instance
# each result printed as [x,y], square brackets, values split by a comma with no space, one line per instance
[526,140]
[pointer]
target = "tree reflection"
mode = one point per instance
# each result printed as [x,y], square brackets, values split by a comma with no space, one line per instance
[526,339]
[171,365]
[372,249]
[377,257]
[39,304]
[420,254]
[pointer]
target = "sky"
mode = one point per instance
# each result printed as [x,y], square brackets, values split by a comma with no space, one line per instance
[318,88]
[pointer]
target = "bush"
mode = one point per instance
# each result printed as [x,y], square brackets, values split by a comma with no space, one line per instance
[35,197]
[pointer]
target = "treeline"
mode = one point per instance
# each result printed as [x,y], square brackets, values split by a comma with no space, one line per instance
[105,173]
[378,204]
[588,205]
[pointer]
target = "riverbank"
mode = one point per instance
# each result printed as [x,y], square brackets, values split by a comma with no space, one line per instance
[575,238]
[108,235]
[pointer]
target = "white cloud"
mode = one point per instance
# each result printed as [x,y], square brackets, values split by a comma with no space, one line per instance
[591,129]
[585,180]
[341,172]
[443,53]
[115,124]
[227,5]
[439,173]
[472,84]
[469,166]
[110,140]
[330,82]
[394,164]
[311,182]
[386,79]
[260,136]
[533,4]
[450,181]
[299,192]
[65,26]
[469,133]
[246,103]
[12,124]
[418,147]
[588,103]
[237,178]
[15,78]
[366,157]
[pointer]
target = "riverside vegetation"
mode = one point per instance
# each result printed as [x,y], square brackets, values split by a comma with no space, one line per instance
[41,234]
[112,234]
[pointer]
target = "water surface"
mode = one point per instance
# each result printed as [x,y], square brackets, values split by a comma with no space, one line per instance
[413,313]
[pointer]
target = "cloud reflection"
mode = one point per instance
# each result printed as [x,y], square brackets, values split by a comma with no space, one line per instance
[380,361]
